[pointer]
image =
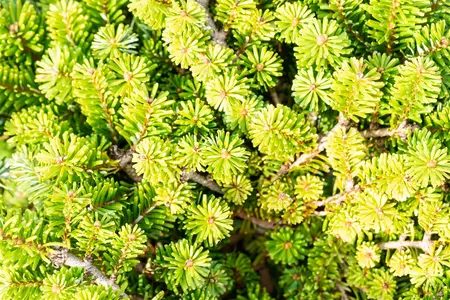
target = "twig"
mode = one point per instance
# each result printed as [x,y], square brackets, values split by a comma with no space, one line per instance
[140,267]
[266,279]
[335,199]
[202,180]
[377,133]
[107,203]
[258,222]
[125,158]
[125,164]
[343,292]
[133,22]
[274,95]
[144,214]
[28,90]
[218,36]
[425,244]
[62,256]
[402,131]
[306,157]
[320,213]
[349,27]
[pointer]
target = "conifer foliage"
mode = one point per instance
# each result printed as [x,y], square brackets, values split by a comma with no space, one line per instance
[249,149]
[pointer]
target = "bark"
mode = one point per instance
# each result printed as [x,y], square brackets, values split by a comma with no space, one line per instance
[425,244]
[125,163]
[202,180]
[258,222]
[62,256]
[402,131]
[307,157]
[218,36]
[125,158]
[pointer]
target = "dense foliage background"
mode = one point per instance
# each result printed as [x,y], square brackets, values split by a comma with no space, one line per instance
[249,149]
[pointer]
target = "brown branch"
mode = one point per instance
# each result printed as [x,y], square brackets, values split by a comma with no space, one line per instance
[274,95]
[202,180]
[20,89]
[341,289]
[107,203]
[266,279]
[124,158]
[306,157]
[62,256]
[218,36]
[348,26]
[258,222]
[434,6]
[402,131]
[335,199]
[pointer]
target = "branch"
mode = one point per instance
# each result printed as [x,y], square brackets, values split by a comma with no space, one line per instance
[266,279]
[306,157]
[218,36]
[322,213]
[107,203]
[62,256]
[19,89]
[403,244]
[341,289]
[258,222]
[425,244]
[202,180]
[335,199]
[144,214]
[349,25]
[124,158]
[274,95]
[402,131]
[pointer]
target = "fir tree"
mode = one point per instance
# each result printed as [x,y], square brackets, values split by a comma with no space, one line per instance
[187,149]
